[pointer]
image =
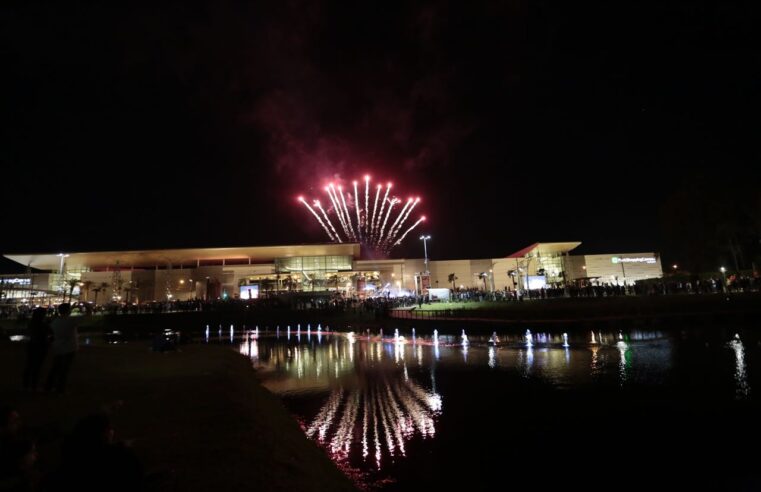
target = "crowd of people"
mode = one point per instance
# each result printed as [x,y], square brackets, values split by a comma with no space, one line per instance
[339,302]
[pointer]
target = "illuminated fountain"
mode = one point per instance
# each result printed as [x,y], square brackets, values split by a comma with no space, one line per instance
[464,338]
[742,387]
[494,340]
[436,337]
[565,340]
[593,338]
[529,339]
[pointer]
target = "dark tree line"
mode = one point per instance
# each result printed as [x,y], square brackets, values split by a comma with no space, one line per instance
[714,220]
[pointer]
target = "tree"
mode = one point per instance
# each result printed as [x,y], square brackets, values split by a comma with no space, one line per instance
[452,277]
[87,285]
[707,225]
[100,288]
[72,282]
[130,289]
[483,276]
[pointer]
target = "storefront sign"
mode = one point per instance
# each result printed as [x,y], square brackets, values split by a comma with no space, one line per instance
[648,260]
[16,281]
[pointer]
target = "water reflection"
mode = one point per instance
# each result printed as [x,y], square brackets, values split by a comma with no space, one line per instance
[742,387]
[624,361]
[369,400]
[389,412]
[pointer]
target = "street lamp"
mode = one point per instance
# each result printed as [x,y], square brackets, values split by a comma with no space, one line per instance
[724,276]
[425,250]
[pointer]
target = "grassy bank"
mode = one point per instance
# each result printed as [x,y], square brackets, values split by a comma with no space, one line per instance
[199,412]
[593,308]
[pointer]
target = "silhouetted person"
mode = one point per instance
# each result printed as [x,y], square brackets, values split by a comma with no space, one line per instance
[65,345]
[37,348]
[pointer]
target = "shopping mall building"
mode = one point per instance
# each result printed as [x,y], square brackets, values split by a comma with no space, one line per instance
[251,272]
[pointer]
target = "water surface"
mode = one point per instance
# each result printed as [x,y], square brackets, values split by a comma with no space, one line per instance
[621,410]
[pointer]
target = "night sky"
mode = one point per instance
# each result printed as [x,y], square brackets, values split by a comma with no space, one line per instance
[193,124]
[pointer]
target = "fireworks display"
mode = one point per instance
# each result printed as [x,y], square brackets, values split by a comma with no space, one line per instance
[368,224]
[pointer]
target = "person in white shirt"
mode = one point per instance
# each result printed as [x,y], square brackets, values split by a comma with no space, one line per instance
[65,345]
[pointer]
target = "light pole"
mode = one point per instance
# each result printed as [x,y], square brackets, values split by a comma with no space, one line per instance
[60,271]
[425,250]
[724,277]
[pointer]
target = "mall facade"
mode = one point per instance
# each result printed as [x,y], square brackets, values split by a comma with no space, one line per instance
[259,271]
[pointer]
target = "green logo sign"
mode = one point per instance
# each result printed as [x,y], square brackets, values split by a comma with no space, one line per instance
[615,259]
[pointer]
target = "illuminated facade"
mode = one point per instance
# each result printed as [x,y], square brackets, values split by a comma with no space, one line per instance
[251,272]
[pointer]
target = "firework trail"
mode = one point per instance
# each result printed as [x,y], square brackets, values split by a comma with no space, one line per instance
[301,199]
[337,208]
[401,223]
[371,227]
[379,219]
[375,207]
[388,212]
[398,218]
[338,192]
[346,213]
[357,209]
[421,219]
[327,219]
[380,214]
[367,203]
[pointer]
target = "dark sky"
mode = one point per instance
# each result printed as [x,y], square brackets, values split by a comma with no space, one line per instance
[174,124]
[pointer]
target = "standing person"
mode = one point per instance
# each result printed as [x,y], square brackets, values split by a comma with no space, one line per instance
[65,345]
[37,349]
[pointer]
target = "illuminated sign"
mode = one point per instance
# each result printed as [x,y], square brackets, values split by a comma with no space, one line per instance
[16,281]
[646,259]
